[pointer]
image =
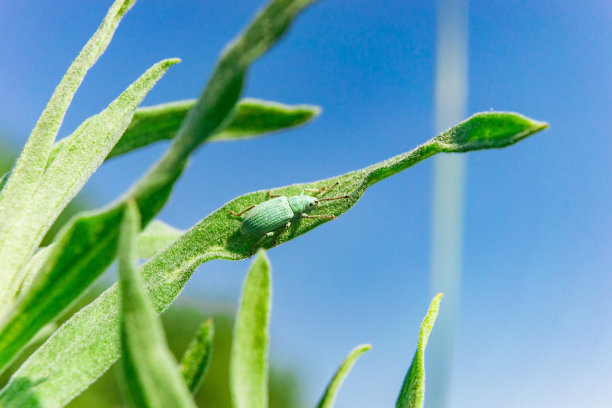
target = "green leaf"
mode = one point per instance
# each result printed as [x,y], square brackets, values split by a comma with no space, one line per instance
[155,237]
[150,372]
[3,180]
[197,357]
[210,114]
[215,237]
[252,117]
[249,356]
[413,388]
[329,397]
[67,174]
[28,171]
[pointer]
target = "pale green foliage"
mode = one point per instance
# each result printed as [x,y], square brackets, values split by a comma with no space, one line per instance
[252,117]
[86,247]
[329,396]
[77,160]
[412,393]
[196,359]
[151,376]
[25,177]
[93,331]
[249,357]
[155,237]
[67,174]
[47,176]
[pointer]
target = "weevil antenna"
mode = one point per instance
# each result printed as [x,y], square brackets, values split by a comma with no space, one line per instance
[331,199]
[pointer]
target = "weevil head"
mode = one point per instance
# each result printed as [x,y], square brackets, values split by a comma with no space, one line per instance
[303,204]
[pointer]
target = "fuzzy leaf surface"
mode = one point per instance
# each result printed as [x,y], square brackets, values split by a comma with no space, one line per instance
[155,237]
[329,396]
[252,118]
[215,237]
[150,373]
[196,359]
[412,394]
[27,173]
[67,174]
[66,379]
[249,356]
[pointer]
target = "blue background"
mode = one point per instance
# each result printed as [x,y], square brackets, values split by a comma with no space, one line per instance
[534,326]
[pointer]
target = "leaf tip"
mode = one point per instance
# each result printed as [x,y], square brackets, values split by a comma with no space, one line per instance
[170,61]
[362,348]
[487,130]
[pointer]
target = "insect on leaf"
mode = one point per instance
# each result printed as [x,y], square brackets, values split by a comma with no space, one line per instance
[208,116]
[218,236]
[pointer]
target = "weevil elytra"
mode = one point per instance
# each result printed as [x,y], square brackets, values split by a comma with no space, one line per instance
[273,217]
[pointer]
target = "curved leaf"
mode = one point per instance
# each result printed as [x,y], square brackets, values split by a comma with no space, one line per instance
[252,117]
[216,236]
[209,114]
[249,356]
[28,171]
[67,174]
[412,393]
[155,237]
[196,359]
[329,396]
[150,373]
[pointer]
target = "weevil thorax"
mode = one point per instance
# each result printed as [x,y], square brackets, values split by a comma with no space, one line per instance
[302,203]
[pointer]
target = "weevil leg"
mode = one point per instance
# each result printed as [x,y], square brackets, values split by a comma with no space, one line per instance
[241,212]
[270,195]
[280,231]
[266,235]
[329,217]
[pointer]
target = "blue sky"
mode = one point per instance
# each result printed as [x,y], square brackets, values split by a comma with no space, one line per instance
[534,320]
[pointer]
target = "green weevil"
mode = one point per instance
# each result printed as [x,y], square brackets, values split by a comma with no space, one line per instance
[273,217]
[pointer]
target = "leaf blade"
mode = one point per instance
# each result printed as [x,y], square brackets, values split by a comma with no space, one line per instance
[156,236]
[249,355]
[329,396]
[412,393]
[196,359]
[77,160]
[150,371]
[215,237]
[252,118]
[31,164]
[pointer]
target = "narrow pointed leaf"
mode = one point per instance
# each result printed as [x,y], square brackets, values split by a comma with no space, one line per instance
[249,355]
[63,179]
[412,393]
[150,373]
[329,397]
[197,357]
[155,237]
[151,240]
[28,170]
[215,237]
[252,117]
[209,114]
